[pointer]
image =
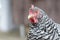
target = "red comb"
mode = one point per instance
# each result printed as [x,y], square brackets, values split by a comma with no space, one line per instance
[32,6]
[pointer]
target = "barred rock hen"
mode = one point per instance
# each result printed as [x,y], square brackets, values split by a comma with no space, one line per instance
[41,26]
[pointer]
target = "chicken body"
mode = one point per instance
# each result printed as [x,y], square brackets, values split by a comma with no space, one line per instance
[44,28]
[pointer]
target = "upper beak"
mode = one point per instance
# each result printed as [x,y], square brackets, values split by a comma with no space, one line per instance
[30,16]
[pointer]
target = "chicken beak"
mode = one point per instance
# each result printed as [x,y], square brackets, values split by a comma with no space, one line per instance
[29,16]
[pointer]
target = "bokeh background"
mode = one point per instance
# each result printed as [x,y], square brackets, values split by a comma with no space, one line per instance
[13,16]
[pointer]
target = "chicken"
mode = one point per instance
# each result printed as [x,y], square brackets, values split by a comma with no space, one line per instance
[41,26]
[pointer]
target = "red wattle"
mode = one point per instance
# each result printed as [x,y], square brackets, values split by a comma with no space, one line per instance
[33,20]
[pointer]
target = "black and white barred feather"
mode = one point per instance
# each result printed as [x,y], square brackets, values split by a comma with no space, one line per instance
[45,29]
